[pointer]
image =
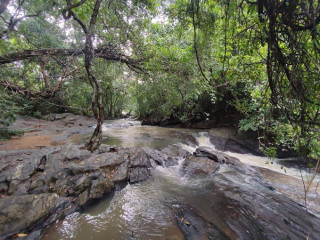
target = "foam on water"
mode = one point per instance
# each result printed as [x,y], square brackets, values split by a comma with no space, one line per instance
[203,140]
[172,173]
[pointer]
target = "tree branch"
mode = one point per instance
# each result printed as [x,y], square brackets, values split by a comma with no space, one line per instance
[67,13]
[108,53]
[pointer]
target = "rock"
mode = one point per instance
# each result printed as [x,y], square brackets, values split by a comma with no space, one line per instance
[150,121]
[3,187]
[139,174]
[58,116]
[171,161]
[201,161]
[193,225]
[63,177]
[199,166]
[111,160]
[217,156]
[121,173]
[99,187]
[20,213]
[158,157]
[139,158]
[70,153]
[106,148]
[83,197]
[236,202]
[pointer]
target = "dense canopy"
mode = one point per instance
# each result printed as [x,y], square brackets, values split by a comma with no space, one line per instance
[251,64]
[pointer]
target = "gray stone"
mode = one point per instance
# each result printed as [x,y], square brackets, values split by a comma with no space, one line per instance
[99,187]
[110,160]
[3,187]
[121,173]
[216,156]
[83,197]
[158,157]
[199,166]
[18,213]
[139,158]
[70,153]
[139,174]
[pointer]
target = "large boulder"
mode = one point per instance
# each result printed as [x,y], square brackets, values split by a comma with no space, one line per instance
[19,214]
[236,202]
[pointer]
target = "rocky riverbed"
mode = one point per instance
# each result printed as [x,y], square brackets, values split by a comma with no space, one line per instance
[40,186]
[43,182]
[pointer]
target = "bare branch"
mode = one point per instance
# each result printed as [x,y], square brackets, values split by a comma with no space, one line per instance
[67,13]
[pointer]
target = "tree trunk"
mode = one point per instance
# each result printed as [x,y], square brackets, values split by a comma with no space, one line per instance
[97,106]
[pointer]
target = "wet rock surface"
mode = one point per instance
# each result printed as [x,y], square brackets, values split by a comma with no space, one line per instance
[199,166]
[242,204]
[193,225]
[24,212]
[53,182]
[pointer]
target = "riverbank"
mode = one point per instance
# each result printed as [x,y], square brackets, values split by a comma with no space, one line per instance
[52,177]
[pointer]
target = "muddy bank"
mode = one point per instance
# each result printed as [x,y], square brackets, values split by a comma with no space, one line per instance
[41,133]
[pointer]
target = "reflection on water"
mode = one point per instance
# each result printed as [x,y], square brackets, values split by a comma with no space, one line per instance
[138,211]
[145,136]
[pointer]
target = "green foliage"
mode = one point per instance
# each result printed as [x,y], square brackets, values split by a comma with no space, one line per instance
[271,87]
[270,152]
[8,110]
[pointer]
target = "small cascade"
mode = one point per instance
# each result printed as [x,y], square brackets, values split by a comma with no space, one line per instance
[172,171]
[191,148]
[203,140]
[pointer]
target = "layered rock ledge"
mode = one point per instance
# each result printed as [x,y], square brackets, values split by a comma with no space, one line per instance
[36,191]
[238,203]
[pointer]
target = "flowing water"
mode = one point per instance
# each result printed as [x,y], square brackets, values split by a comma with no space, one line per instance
[141,211]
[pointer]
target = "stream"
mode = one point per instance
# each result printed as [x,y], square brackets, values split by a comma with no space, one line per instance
[144,210]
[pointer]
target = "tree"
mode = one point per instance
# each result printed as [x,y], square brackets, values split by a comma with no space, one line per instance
[110,52]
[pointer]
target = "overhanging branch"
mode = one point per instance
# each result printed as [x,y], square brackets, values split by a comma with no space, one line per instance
[106,53]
